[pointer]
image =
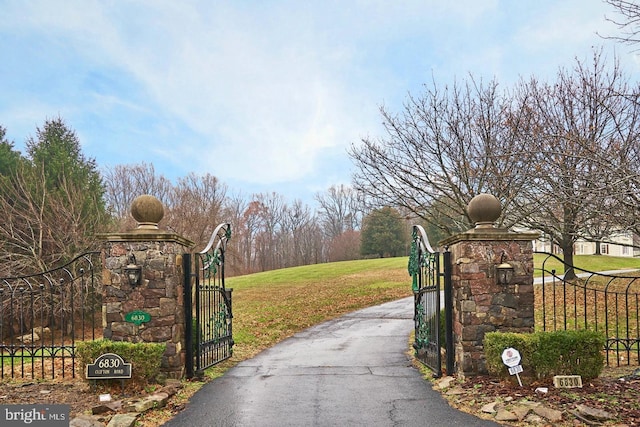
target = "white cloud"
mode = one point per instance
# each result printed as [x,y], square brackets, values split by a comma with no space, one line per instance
[267,92]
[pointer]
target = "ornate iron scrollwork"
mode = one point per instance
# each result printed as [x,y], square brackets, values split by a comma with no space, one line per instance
[423,332]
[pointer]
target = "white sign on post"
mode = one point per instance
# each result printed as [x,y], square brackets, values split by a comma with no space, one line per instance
[511,358]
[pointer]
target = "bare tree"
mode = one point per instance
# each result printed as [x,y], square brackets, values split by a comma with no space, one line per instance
[272,212]
[344,247]
[248,231]
[233,211]
[52,203]
[194,207]
[123,183]
[313,244]
[296,221]
[446,146]
[269,233]
[583,128]
[341,209]
[562,157]
[628,21]
[626,176]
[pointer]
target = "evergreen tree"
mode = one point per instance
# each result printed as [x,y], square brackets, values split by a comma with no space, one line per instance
[9,158]
[52,201]
[383,233]
[57,152]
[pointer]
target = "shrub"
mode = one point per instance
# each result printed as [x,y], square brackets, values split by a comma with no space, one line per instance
[496,342]
[569,352]
[545,354]
[145,358]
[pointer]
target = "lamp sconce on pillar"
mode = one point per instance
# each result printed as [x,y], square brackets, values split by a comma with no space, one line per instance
[504,271]
[133,271]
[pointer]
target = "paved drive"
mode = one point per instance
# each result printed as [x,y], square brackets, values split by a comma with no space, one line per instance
[352,371]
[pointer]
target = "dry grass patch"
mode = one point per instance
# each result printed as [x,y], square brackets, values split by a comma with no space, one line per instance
[267,314]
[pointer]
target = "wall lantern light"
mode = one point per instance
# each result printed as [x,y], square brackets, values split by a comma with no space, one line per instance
[133,271]
[504,270]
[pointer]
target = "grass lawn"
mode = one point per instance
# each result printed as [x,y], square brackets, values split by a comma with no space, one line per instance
[271,306]
[588,262]
[274,305]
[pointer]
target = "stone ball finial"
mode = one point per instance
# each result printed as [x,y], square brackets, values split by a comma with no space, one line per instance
[147,210]
[484,210]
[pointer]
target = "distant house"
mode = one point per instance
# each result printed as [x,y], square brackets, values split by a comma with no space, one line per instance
[623,244]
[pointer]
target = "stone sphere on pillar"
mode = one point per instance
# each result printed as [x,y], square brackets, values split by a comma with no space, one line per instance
[484,210]
[147,210]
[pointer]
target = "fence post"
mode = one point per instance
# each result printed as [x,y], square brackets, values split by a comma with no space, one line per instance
[188,315]
[482,304]
[448,312]
[143,293]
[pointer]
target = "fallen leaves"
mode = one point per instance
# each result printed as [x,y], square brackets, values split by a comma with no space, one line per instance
[608,399]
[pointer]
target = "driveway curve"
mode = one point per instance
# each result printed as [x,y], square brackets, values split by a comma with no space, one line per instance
[351,371]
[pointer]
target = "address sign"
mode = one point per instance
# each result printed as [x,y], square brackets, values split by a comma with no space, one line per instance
[108,366]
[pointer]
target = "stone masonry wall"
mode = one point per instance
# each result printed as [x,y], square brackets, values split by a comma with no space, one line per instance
[482,305]
[160,294]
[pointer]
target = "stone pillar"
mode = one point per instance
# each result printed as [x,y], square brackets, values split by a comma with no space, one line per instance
[480,303]
[160,291]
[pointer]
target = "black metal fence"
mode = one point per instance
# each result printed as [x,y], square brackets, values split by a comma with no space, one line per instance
[43,315]
[208,313]
[609,303]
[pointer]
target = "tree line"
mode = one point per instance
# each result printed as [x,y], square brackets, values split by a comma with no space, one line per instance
[268,232]
[562,156]
[55,201]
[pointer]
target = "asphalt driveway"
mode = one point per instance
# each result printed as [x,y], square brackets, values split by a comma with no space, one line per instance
[352,371]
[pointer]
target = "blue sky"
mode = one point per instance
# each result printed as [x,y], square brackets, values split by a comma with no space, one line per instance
[265,95]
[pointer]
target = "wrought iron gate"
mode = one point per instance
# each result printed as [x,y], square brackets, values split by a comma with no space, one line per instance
[208,313]
[433,327]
